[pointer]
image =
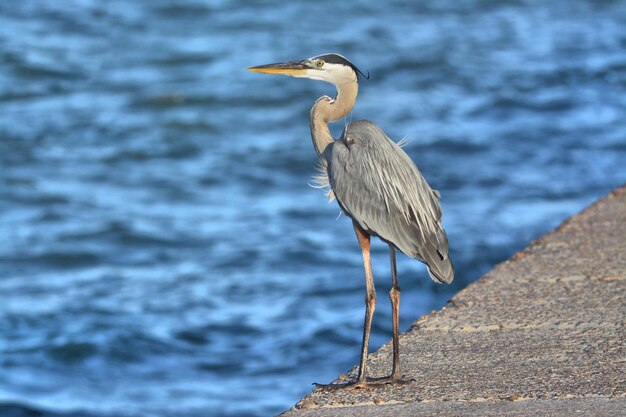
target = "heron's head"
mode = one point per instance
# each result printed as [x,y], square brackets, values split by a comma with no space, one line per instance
[332,68]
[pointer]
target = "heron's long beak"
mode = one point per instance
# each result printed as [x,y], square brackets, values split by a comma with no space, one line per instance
[293,68]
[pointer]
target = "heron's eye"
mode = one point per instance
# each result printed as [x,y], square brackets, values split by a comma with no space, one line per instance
[320,63]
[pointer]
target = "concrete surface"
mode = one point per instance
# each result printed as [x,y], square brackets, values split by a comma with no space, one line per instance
[541,334]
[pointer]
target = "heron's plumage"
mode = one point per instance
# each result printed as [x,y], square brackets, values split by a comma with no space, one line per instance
[378,186]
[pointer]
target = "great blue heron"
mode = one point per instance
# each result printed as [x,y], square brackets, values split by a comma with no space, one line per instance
[376,184]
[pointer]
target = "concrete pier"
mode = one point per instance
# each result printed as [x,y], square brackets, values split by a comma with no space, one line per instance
[543,333]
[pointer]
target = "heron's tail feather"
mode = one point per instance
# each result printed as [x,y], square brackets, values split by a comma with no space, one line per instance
[440,269]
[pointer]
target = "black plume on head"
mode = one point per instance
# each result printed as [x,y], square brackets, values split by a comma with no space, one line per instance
[338,59]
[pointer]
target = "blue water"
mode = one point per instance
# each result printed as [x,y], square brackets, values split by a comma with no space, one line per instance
[161,251]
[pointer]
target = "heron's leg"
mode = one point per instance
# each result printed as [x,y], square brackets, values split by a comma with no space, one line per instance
[370,299]
[394,296]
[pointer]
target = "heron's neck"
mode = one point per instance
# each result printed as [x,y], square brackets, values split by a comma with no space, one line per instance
[327,110]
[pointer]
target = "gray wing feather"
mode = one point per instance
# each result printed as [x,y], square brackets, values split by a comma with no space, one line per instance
[379,187]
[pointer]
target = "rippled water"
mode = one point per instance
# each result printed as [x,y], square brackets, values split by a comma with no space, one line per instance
[162,254]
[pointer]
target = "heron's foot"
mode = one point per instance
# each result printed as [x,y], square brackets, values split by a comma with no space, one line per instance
[397,380]
[352,385]
[373,383]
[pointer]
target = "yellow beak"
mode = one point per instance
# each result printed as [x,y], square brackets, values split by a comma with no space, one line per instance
[293,68]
